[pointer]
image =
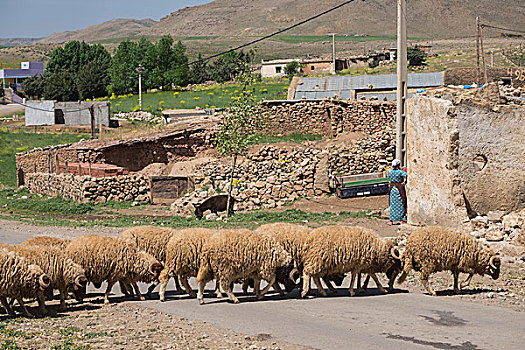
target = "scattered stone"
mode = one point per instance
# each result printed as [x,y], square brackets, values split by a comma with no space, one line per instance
[495,215]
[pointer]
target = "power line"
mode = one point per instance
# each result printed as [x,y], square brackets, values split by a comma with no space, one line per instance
[230,50]
[501,28]
[46,110]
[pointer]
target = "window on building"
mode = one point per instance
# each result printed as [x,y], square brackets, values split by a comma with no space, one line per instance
[312,68]
[278,70]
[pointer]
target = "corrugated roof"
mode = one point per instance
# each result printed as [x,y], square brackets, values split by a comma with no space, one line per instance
[318,88]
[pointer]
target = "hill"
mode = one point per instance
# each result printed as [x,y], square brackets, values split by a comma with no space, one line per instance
[426,18]
[115,28]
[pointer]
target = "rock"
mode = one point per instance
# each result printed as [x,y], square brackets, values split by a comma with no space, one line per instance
[495,215]
[260,184]
[479,222]
[494,235]
[212,216]
[512,220]
[478,234]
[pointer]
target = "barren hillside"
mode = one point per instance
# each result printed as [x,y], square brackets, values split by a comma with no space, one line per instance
[116,28]
[426,18]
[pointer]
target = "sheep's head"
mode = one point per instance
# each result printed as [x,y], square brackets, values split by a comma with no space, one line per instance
[75,279]
[493,266]
[282,276]
[38,280]
[395,262]
[156,269]
[198,213]
[79,288]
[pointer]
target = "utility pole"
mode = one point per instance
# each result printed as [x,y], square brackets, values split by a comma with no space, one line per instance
[483,54]
[492,58]
[140,69]
[402,76]
[477,52]
[333,53]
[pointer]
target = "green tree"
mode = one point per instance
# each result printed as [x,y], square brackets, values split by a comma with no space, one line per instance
[122,69]
[74,55]
[199,71]
[92,80]
[34,86]
[416,56]
[170,64]
[58,87]
[230,65]
[240,125]
[291,69]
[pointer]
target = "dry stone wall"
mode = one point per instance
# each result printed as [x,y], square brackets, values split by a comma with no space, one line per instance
[86,189]
[328,117]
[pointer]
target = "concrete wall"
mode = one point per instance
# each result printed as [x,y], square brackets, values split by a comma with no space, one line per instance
[433,190]
[464,159]
[40,113]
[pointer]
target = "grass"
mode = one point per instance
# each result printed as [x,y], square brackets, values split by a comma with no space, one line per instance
[295,138]
[9,345]
[218,96]
[12,143]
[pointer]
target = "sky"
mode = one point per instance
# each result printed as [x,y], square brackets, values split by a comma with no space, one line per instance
[39,18]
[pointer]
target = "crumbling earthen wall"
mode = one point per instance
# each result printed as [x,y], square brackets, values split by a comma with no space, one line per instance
[464,159]
[327,117]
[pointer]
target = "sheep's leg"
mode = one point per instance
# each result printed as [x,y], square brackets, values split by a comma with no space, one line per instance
[319,286]
[306,285]
[6,306]
[391,281]
[424,280]
[362,288]
[108,290]
[126,289]
[187,287]
[352,280]
[455,273]
[358,286]
[257,287]
[200,292]
[329,285]
[24,309]
[137,291]
[466,282]
[218,289]
[226,286]
[378,284]
[41,299]
[267,288]
[151,288]
[278,289]
[63,296]
[177,284]
[245,285]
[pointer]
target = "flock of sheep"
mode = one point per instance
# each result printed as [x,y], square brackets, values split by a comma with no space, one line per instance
[280,254]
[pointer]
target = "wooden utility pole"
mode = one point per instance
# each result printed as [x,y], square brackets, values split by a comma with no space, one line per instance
[477,52]
[483,54]
[333,54]
[140,69]
[92,113]
[402,76]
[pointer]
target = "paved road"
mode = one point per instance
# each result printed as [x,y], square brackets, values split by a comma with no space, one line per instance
[397,321]
[10,109]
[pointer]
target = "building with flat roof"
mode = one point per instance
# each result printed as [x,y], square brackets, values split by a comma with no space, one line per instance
[15,77]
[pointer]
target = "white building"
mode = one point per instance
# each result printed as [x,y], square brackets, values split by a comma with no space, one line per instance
[275,68]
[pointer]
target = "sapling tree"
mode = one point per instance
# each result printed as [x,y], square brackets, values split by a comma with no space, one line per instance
[240,126]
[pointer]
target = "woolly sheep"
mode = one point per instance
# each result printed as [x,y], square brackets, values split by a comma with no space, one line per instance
[47,241]
[64,274]
[183,254]
[342,249]
[19,280]
[112,259]
[152,240]
[432,249]
[234,254]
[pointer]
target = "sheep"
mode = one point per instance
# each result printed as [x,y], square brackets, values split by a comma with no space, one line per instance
[233,254]
[152,240]
[341,249]
[215,204]
[19,279]
[433,249]
[112,259]
[183,254]
[65,275]
[47,241]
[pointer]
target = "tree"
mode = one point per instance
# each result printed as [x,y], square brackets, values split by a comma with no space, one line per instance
[416,56]
[74,55]
[199,71]
[230,65]
[170,64]
[291,69]
[58,86]
[34,86]
[240,124]
[122,69]
[92,80]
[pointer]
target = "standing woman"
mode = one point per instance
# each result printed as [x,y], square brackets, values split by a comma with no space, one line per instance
[398,195]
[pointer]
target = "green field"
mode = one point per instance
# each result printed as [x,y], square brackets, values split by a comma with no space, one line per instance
[297,39]
[12,143]
[217,96]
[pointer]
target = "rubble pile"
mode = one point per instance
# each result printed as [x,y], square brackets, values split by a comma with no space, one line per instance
[139,115]
[497,226]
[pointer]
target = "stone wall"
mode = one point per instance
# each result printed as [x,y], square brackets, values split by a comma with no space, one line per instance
[464,159]
[274,176]
[328,117]
[86,189]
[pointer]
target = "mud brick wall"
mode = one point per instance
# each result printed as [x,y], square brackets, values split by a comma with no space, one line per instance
[86,189]
[327,117]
